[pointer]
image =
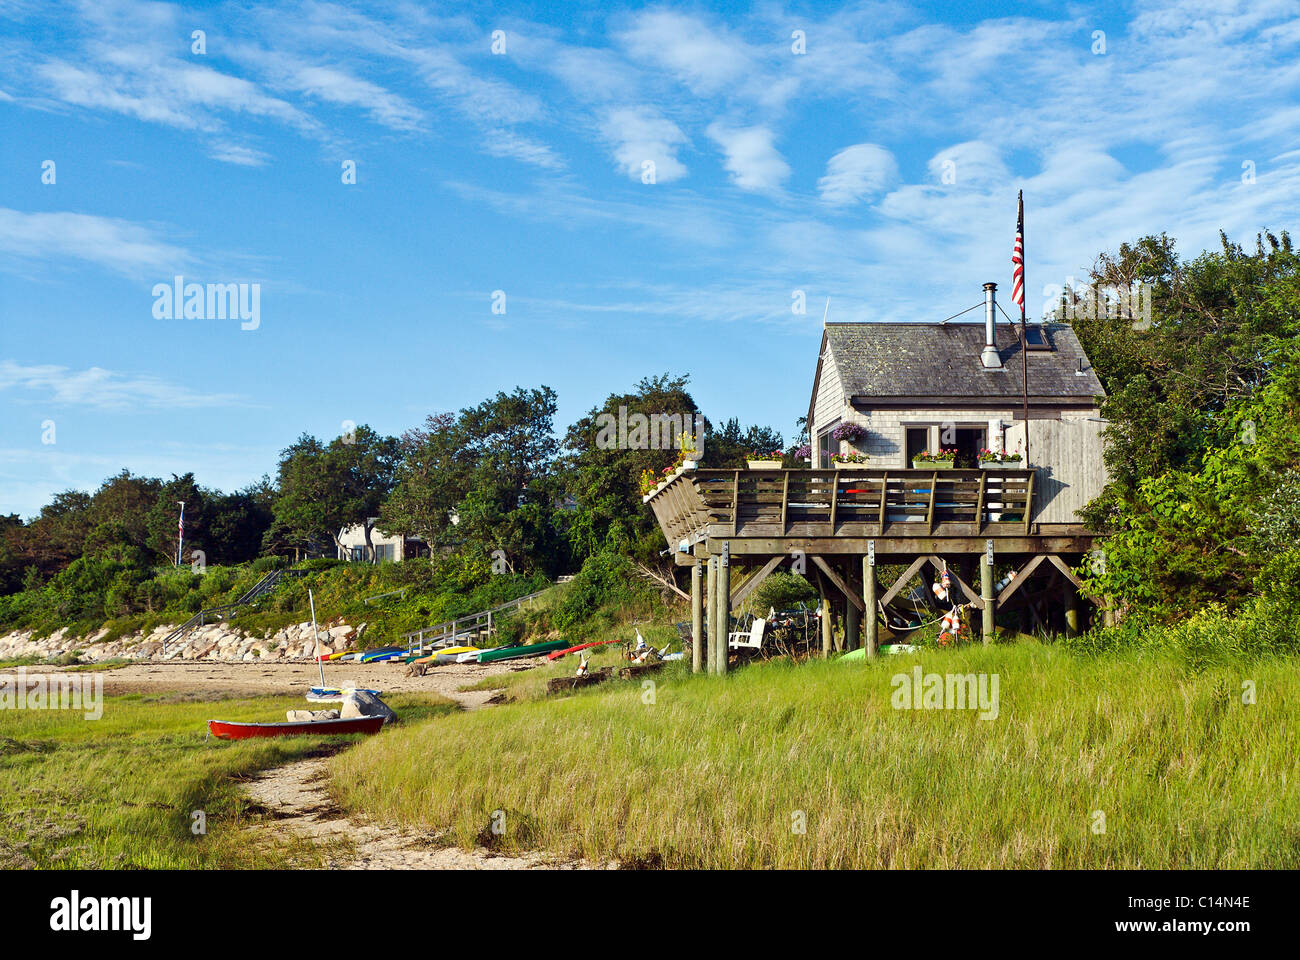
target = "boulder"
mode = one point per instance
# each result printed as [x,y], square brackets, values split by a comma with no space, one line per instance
[360,703]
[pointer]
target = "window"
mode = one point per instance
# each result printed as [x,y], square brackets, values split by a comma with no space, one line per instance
[1036,338]
[384,552]
[826,446]
[358,554]
[918,439]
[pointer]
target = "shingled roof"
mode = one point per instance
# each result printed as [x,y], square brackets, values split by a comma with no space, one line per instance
[887,360]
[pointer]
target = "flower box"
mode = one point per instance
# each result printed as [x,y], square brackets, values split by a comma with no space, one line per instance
[764,464]
[931,464]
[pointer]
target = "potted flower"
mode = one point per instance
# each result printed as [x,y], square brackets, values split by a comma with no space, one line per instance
[851,433]
[991,459]
[939,460]
[804,453]
[842,460]
[689,457]
[764,461]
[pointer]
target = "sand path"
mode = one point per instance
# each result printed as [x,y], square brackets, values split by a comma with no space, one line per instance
[295,797]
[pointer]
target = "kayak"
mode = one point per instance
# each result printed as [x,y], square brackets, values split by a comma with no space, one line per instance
[582,646]
[382,653]
[471,657]
[447,655]
[326,657]
[528,650]
[226,730]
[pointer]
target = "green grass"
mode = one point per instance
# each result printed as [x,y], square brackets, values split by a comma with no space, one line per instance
[119,792]
[715,772]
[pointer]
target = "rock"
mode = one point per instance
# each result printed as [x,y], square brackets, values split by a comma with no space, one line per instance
[360,703]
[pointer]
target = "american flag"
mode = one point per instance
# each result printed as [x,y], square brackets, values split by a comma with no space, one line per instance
[1018,257]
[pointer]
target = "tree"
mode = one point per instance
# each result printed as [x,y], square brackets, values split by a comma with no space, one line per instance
[604,478]
[483,480]
[324,488]
[164,517]
[1217,324]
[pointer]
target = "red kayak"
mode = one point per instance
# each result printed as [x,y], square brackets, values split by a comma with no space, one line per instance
[225,730]
[582,646]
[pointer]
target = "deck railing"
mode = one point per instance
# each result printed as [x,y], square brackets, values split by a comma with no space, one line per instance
[852,502]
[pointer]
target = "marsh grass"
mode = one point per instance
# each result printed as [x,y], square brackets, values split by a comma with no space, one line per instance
[119,792]
[717,772]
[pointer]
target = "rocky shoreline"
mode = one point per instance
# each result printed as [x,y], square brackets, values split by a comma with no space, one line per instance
[215,641]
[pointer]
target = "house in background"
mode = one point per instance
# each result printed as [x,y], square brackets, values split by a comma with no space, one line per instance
[395,547]
[924,386]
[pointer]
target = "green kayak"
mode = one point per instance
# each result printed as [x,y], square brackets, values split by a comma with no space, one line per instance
[528,650]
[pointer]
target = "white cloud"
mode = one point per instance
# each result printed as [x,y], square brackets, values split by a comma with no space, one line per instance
[640,135]
[751,159]
[120,245]
[971,163]
[103,389]
[705,57]
[856,173]
[240,155]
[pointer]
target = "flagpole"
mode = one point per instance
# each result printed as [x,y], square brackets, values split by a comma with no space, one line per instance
[1024,329]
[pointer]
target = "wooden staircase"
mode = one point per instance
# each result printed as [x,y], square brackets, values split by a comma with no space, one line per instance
[216,614]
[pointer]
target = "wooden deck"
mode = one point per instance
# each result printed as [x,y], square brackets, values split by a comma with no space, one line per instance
[900,509]
[841,528]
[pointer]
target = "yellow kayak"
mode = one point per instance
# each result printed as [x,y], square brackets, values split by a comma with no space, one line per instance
[446,655]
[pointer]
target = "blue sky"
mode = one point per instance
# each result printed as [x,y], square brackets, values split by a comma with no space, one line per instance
[878,168]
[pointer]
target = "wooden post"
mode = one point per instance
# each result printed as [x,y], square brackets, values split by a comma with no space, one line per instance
[851,618]
[1071,608]
[711,611]
[826,615]
[697,617]
[990,601]
[871,615]
[724,607]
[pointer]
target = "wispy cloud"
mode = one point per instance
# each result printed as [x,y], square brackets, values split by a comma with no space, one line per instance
[97,388]
[124,247]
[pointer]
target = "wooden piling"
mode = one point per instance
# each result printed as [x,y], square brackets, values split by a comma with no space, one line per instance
[851,619]
[1071,608]
[990,602]
[724,608]
[871,616]
[711,612]
[697,617]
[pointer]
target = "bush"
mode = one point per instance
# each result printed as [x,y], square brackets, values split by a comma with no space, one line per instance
[782,591]
[1211,636]
[605,579]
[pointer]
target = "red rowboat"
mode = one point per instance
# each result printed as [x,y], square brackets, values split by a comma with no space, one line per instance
[226,730]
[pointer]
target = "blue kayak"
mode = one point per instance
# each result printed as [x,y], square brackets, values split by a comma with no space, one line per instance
[382,653]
